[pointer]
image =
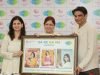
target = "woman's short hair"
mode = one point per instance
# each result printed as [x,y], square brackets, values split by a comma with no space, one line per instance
[49,18]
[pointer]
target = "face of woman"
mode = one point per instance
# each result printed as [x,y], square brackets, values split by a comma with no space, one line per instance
[47,53]
[66,58]
[17,25]
[49,27]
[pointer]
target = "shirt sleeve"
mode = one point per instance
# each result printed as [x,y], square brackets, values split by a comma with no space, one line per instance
[91,42]
[4,48]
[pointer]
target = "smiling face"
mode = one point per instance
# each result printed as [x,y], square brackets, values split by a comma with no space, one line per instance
[80,18]
[17,25]
[49,27]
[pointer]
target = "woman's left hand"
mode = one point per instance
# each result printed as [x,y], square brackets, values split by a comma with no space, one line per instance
[18,54]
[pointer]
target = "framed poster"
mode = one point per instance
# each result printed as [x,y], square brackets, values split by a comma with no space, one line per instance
[49,54]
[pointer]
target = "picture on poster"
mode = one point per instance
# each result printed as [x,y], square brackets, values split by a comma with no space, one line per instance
[65,60]
[32,57]
[47,58]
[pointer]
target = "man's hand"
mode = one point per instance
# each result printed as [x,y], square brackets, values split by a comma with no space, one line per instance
[78,70]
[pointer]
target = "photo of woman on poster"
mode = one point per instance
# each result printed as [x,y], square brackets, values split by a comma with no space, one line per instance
[31,59]
[48,59]
[66,61]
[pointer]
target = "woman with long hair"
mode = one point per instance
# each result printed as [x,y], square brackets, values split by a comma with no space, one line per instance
[11,46]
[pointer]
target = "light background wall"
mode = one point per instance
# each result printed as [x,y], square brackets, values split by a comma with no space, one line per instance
[33,13]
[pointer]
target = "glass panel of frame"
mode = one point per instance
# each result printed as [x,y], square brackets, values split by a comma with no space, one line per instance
[49,54]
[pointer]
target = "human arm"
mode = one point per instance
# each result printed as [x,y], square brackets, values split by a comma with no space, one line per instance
[7,45]
[4,48]
[17,54]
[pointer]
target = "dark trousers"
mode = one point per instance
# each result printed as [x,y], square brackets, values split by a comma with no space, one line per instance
[91,72]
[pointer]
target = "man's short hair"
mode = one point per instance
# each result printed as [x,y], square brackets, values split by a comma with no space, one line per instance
[81,9]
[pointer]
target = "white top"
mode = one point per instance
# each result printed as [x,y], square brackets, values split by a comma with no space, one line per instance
[67,65]
[87,52]
[10,64]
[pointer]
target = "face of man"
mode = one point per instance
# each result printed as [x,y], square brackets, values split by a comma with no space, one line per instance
[49,27]
[80,18]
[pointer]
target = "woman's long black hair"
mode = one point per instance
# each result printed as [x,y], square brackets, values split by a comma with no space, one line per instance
[11,30]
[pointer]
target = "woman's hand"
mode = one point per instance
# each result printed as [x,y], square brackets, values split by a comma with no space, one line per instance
[17,54]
